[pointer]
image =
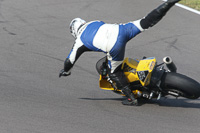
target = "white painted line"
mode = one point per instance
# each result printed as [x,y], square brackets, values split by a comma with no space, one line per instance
[187,8]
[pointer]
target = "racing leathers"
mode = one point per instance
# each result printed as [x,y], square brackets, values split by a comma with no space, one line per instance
[112,39]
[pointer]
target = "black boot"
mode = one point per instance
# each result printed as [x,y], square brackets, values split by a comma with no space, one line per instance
[131,101]
[122,84]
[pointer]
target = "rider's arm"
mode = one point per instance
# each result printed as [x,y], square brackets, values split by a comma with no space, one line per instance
[75,53]
[157,14]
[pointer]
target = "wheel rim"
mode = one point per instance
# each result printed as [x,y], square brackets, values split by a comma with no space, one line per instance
[175,93]
[179,93]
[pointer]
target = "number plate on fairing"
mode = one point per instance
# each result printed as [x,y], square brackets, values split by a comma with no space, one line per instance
[144,70]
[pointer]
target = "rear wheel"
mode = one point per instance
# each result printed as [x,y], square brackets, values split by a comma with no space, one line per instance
[180,85]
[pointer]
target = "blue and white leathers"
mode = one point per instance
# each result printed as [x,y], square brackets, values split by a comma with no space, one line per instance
[108,38]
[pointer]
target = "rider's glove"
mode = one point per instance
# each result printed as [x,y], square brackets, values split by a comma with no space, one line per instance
[63,73]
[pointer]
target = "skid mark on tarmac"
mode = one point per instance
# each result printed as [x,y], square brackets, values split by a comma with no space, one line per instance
[9,32]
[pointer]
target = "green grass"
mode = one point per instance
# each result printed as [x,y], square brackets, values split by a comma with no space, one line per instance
[191,3]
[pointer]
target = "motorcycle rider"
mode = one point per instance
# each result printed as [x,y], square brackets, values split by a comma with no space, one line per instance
[111,39]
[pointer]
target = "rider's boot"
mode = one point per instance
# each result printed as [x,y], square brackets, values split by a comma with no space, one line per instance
[122,84]
[131,101]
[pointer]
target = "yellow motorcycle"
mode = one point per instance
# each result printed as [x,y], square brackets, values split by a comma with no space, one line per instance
[150,80]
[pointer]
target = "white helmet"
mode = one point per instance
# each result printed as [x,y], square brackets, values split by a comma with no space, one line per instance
[75,26]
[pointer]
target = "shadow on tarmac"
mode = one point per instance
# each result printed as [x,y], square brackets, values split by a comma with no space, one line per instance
[165,102]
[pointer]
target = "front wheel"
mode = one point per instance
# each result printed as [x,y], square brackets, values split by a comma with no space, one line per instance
[180,85]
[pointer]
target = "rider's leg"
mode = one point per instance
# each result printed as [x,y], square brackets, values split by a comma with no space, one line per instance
[157,14]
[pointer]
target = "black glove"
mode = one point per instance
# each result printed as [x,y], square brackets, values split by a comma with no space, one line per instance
[63,73]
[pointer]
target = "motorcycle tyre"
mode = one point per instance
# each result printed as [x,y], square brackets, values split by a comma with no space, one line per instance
[185,86]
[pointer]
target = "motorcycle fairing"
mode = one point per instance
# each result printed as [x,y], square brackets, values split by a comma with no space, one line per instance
[129,67]
[144,70]
[104,84]
[134,70]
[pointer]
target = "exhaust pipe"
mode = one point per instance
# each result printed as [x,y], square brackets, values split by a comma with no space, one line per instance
[170,64]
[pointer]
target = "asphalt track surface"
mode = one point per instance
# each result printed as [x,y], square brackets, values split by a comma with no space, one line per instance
[34,42]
